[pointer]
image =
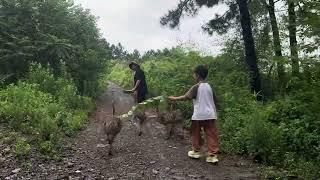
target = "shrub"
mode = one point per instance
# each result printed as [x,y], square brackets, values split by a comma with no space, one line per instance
[300,124]
[75,123]
[45,106]
[264,140]
[47,147]
[61,88]
[23,104]
[21,147]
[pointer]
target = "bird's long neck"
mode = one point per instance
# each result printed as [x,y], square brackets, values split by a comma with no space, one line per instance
[113,108]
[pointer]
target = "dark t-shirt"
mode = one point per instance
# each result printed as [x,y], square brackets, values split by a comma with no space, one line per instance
[142,88]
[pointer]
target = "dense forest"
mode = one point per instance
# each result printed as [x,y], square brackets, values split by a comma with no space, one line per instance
[54,63]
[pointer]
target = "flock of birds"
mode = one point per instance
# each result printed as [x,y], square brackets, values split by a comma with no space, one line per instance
[168,117]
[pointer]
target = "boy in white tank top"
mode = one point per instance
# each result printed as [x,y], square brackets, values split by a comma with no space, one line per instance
[204,115]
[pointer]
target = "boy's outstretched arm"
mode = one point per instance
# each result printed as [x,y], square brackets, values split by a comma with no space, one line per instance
[191,94]
[178,98]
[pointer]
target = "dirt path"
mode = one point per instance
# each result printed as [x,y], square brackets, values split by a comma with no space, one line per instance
[145,157]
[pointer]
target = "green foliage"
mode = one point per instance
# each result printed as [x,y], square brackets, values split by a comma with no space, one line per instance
[104,77]
[54,55]
[74,122]
[47,147]
[22,147]
[47,32]
[62,88]
[283,132]
[44,106]
[120,73]
[7,136]
[300,124]
[308,18]
[177,70]
[20,103]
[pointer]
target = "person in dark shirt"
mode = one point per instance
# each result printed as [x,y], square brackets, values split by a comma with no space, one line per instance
[140,89]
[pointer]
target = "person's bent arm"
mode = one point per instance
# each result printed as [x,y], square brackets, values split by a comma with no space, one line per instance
[136,85]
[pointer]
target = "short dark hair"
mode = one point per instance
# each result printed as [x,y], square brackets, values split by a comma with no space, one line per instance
[202,71]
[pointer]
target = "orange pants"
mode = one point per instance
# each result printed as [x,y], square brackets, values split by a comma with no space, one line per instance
[211,133]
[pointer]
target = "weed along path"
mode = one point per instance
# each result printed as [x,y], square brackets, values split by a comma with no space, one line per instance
[149,156]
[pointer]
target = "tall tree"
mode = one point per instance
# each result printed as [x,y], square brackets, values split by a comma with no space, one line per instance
[221,24]
[119,52]
[135,55]
[293,37]
[251,57]
[276,39]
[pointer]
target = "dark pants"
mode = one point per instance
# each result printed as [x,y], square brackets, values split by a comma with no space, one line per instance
[139,97]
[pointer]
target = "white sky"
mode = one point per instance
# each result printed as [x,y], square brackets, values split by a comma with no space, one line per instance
[135,24]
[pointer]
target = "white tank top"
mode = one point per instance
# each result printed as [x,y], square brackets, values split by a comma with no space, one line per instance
[204,107]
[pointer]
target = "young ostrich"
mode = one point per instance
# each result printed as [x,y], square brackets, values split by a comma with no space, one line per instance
[169,119]
[140,119]
[112,127]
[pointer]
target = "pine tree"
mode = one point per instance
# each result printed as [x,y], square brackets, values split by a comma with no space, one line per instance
[221,24]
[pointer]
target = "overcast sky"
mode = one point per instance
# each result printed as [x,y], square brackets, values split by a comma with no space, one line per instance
[135,24]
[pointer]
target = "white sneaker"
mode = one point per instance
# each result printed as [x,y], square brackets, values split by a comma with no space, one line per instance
[212,159]
[194,154]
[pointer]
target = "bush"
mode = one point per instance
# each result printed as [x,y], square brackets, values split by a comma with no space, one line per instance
[30,110]
[75,123]
[47,148]
[263,139]
[300,126]
[44,106]
[24,104]
[61,88]
[21,147]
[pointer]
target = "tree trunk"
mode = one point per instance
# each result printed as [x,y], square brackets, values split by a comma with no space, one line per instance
[251,57]
[293,38]
[276,42]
